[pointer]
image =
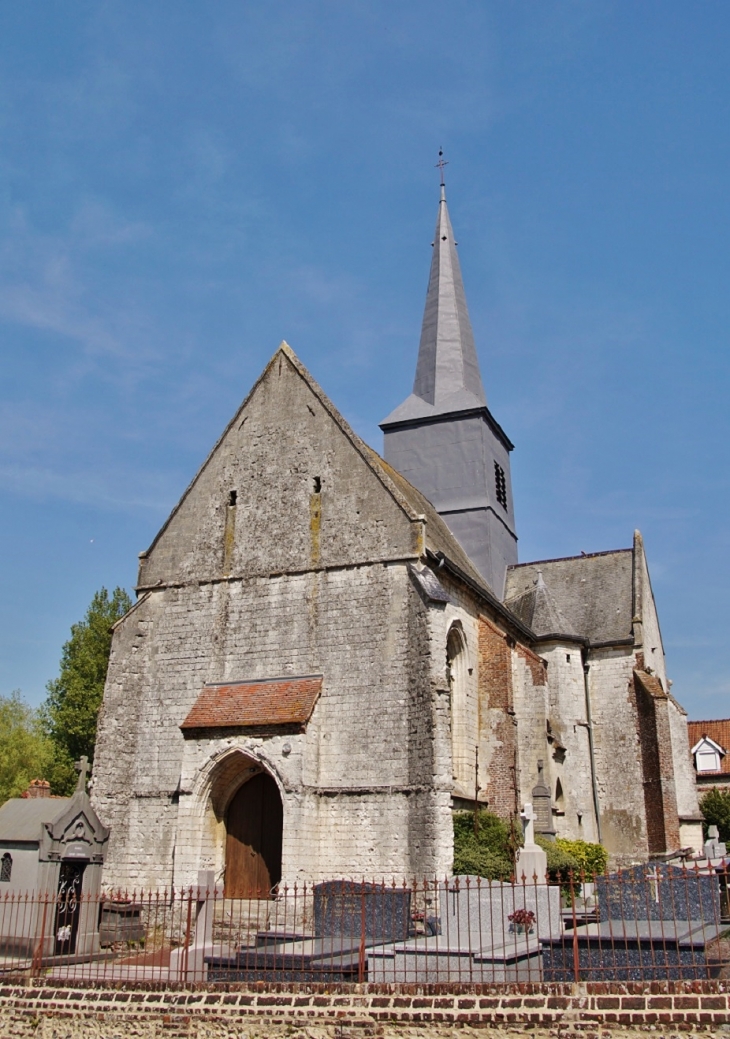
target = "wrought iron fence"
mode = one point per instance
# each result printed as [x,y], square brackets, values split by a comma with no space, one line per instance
[647,922]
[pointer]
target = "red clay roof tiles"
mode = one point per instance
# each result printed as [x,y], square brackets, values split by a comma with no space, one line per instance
[255,704]
[719,731]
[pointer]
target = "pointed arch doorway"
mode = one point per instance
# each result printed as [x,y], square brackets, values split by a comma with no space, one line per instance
[254,824]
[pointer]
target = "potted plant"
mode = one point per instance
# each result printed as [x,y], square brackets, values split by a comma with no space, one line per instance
[522,921]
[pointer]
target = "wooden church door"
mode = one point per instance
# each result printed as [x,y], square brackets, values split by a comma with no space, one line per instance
[254,823]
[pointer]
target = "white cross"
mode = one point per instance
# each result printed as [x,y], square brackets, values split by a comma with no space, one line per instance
[527,815]
[654,879]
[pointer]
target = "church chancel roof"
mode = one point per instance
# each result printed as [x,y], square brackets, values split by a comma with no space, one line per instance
[593,594]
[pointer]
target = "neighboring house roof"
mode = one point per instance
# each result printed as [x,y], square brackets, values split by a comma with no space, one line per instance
[592,593]
[255,704]
[22,819]
[718,732]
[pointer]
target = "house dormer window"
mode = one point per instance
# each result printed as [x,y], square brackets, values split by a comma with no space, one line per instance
[707,755]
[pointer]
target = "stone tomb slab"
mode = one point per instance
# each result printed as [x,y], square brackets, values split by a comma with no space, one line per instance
[431,961]
[347,909]
[326,960]
[632,950]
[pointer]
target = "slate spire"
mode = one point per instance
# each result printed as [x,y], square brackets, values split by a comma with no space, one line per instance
[443,437]
[447,372]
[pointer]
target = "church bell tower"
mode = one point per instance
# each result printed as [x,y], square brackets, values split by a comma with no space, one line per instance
[443,438]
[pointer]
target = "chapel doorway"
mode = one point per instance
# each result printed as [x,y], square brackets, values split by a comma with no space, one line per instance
[68,907]
[254,824]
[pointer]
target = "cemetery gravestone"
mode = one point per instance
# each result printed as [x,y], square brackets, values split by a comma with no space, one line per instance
[345,909]
[658,892]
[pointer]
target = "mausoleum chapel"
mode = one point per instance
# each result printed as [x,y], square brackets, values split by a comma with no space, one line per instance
[332,650]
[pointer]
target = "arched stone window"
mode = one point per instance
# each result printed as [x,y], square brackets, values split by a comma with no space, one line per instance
[559,798]
[6,867]
[458,672]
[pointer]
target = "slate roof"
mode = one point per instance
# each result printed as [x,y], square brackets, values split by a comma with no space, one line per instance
[719,731]
[22,818]
[255,704]
[538,609]
[593,593]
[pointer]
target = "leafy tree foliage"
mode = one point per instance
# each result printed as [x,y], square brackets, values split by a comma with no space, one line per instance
[561,865]
[590,858]
[25,751]
[489,850]
[715,807]
[74,698]
[485,852]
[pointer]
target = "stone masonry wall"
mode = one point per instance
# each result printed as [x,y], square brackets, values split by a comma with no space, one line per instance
[580,1010]
[572,767]
[530,684]
[349,784]
[619,774]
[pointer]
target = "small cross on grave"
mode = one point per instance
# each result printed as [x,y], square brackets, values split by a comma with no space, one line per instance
[654,876]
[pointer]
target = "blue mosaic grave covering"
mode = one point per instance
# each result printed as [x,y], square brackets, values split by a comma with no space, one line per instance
[657,891]
[345,909]
[631,950]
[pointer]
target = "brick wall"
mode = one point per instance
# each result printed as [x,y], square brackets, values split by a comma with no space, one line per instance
[663,1007]
[497,711]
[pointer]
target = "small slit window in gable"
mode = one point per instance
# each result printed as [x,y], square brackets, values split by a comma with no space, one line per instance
[233,498]
[500,485]
[317,485]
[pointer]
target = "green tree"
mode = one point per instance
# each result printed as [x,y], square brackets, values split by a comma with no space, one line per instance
[25,751]
[484,852]
[715,807]
[71,708]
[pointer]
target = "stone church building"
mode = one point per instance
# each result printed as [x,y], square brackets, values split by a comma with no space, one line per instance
[332,650]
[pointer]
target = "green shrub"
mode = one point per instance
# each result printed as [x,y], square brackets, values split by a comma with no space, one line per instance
[560,863]
[591,858]
[715,807]
[486,853]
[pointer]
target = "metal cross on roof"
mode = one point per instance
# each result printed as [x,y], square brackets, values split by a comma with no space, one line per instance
[440,165]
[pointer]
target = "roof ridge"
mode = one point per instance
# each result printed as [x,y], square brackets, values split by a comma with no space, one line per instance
[564,559]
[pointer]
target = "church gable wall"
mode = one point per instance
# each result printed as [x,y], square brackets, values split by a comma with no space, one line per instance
[285,489]
[650,633]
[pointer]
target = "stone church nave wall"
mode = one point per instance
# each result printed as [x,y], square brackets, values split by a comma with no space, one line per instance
[372,730]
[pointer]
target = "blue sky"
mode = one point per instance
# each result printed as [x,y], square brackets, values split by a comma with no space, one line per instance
[183,185]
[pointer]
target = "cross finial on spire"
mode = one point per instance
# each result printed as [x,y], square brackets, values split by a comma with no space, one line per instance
[440,166]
